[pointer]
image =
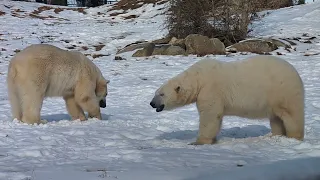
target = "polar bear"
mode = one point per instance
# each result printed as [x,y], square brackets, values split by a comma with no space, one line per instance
[43,70]
[258,87]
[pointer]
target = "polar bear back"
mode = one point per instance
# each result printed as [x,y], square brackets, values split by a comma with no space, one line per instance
[49,65]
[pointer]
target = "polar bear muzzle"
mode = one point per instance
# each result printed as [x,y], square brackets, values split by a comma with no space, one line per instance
[156,103]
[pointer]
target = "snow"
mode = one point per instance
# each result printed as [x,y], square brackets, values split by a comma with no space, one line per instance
[280,170]
[133,141]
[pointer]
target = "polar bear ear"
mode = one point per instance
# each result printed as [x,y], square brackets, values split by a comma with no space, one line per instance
[177,89]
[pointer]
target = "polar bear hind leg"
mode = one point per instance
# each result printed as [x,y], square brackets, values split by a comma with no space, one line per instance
[15,102]
[293,121]
[277,126]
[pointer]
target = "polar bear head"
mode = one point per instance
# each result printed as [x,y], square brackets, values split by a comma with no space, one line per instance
[102,92]
[175,93]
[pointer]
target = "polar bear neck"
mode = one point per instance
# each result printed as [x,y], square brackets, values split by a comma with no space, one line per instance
[190,86]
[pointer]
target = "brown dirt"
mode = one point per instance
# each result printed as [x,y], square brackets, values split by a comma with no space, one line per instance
[18,10]
[131,16]
[46,17]
[41,9]
[85,48]
[99,47]
[57,10]
[99,55]
[133,4]
[2,13]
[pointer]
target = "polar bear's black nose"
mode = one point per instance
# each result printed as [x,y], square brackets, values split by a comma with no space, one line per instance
[102,104]
[152,104]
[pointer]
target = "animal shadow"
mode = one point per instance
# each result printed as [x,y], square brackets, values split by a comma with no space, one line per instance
[234,132]
[59,117]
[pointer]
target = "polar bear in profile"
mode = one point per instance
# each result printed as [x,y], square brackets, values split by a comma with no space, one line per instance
[257,87]
[42,70]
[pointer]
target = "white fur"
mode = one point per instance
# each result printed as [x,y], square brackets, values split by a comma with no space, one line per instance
[258,87]
[42,70]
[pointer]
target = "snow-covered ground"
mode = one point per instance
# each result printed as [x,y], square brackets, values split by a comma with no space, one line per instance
[133,141]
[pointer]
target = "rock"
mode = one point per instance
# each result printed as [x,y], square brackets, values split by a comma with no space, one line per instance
[178,42]
[289,41]
[133,47]
[118,58]
[258,46]
[168,50]
[279,42]
[219,46]
[199,44]
[164,40]
[159,50]
[146,51]
[173,39]
[174,50]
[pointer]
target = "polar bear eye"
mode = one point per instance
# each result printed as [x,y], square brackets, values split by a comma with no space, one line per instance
[177,89]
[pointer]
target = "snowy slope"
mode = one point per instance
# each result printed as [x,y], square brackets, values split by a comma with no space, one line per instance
[133,141]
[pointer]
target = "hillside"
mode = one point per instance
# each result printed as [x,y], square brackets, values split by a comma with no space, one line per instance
[133,141]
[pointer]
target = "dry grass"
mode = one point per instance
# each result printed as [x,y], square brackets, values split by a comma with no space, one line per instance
[226,20]
[260,5]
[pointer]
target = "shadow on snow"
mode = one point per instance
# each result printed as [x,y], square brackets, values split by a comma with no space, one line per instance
[234,132]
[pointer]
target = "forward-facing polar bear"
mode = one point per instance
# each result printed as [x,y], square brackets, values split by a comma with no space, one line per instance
[255,88]
[43,70]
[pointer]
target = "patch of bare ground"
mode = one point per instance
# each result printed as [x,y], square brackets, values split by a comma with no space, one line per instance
[126,5]
[47,17]
[15,14]
[85,48]
[58,10]
[18,10]
[130,16]
[2,13]
[99,47]
[94,56]
[99,55]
